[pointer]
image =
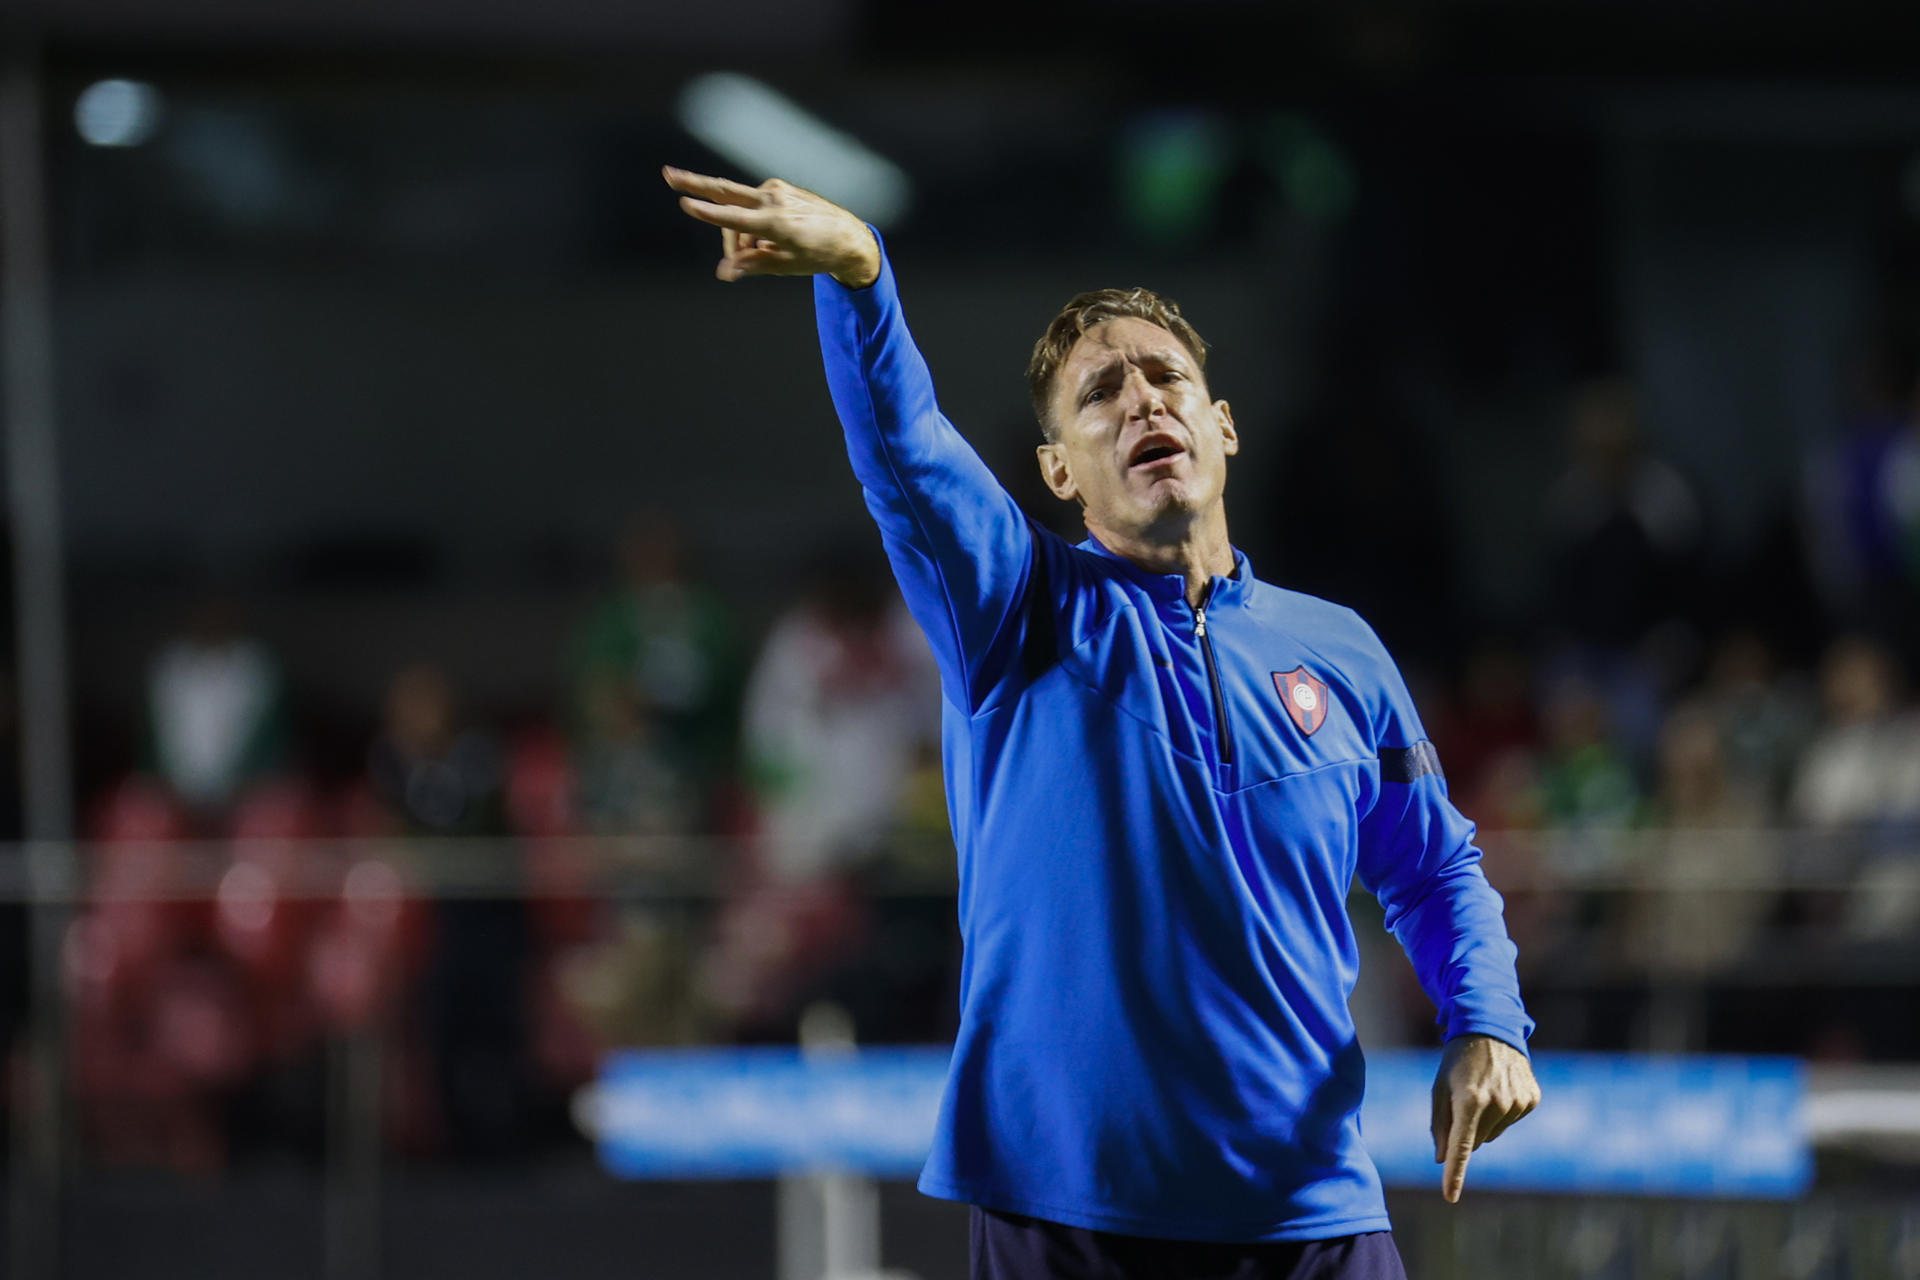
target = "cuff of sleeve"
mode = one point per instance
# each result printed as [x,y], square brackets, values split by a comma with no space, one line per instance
[1505,1033]
[868,303]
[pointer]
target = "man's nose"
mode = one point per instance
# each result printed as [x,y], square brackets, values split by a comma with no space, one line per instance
[1143,397]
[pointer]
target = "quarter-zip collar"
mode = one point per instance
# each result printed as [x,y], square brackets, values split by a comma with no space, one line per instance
[1172,587]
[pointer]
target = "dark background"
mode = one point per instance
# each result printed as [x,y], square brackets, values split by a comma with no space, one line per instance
[391,324]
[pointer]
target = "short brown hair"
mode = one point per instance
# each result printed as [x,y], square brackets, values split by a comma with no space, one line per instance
[1096,307]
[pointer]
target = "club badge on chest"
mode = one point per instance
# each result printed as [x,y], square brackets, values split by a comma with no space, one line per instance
[1305,696]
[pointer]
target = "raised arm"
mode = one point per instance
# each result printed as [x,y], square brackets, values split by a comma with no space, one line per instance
[959,544]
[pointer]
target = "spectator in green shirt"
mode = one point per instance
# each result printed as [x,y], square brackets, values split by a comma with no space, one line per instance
[674,646]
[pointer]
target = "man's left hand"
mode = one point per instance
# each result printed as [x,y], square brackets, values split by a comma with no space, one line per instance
[1483,1086]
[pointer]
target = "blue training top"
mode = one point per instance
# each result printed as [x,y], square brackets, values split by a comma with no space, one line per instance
[1158,812]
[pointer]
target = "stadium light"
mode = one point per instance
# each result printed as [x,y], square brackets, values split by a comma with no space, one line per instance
[1172,165]
[1315,173]
[769,135]
[117,113]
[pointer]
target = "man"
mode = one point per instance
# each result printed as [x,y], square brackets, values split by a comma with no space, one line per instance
[1162,776]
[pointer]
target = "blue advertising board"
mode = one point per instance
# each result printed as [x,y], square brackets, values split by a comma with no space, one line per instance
[741,1113]
[1609,1123]
[1623,1124]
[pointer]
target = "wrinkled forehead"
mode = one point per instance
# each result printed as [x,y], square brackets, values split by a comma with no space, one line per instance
[1124,338]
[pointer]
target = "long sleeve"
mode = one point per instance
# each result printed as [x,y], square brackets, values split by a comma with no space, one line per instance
[959,544]
[1418,857]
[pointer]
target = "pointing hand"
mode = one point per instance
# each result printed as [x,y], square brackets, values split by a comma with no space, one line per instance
[778,229]
[1483,1086]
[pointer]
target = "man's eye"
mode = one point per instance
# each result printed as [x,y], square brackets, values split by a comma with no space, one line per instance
[1093,397]
[1172,375]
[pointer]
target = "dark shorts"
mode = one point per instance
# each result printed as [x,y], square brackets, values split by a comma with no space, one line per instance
[1007,1246]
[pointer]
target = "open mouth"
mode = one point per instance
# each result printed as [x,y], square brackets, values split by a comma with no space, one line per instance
[1155,450]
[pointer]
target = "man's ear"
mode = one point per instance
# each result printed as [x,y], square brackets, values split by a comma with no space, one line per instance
[1055,471]
[1229,437]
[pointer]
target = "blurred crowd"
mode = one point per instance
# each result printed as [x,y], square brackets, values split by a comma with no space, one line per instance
[1701,778]
[707,836]
[691,847]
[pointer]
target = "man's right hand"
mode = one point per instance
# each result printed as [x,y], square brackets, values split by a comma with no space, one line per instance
[778,229]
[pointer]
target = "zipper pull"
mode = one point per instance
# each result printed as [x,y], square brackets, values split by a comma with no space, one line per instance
[1200,623]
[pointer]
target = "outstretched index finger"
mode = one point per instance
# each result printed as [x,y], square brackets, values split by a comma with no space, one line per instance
[708,187]
[1460,1145]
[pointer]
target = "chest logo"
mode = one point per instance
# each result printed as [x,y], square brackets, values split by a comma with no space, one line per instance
[1305,697]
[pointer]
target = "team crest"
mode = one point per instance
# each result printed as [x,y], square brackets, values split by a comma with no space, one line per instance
[1305,696]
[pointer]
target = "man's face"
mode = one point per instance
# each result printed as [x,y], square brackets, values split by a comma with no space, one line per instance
[1137,439]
